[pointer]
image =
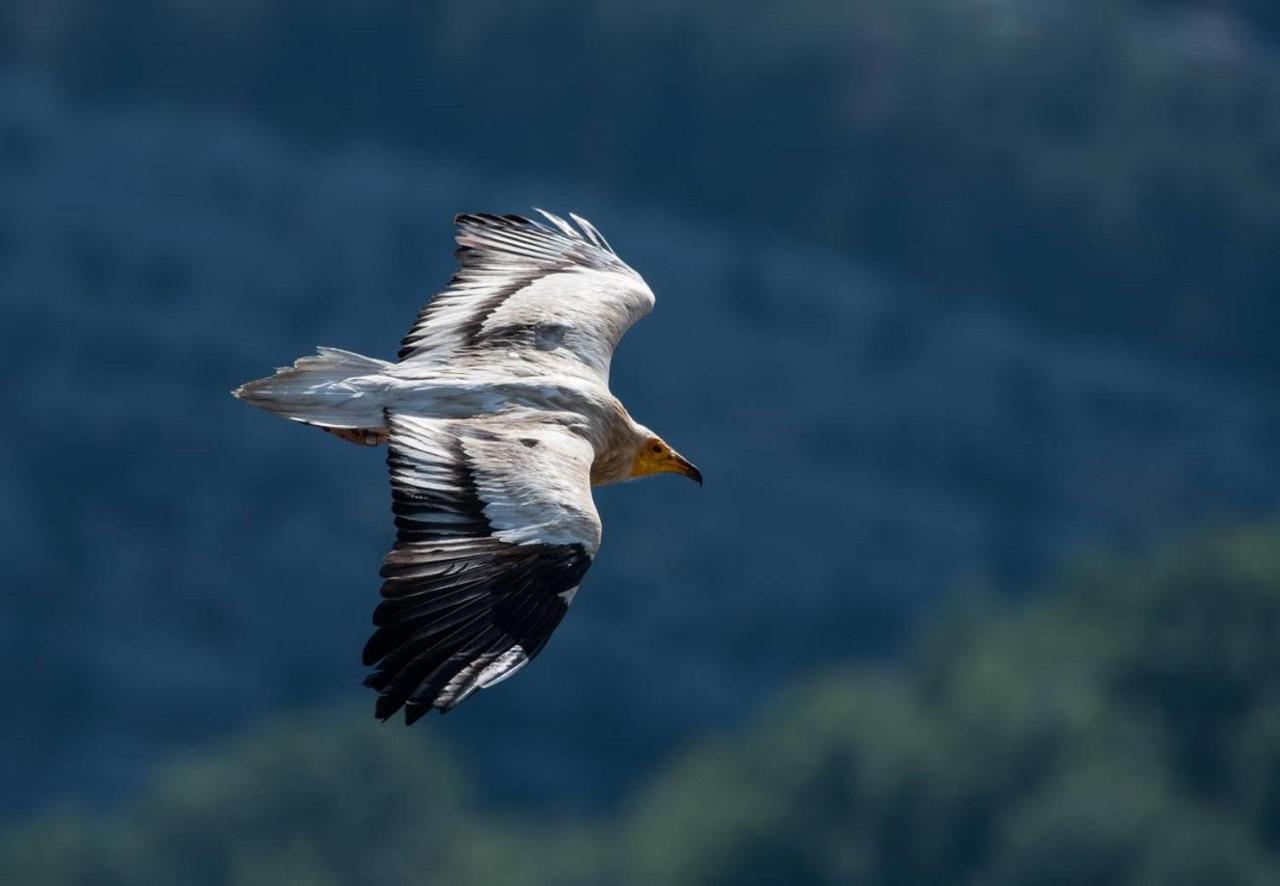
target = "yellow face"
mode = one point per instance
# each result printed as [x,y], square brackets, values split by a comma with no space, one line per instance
[656,457]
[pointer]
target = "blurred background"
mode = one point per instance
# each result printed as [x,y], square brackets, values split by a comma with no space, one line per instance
[967,310]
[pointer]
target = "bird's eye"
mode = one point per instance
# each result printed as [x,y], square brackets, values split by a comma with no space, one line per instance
[657,448]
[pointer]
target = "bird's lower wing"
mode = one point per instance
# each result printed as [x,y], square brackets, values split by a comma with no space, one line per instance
[495,529]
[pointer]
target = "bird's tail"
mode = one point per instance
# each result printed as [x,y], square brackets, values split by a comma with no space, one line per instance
[331,390]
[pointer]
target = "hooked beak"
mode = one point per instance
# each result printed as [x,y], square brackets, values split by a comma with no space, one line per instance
[686,468]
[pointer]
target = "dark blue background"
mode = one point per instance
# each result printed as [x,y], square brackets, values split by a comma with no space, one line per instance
[948,295]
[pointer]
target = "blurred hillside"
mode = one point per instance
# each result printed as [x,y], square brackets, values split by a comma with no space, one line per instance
[1104,166]
[1121,730]
[177,565]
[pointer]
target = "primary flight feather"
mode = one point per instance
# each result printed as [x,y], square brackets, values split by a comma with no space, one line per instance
[498,420]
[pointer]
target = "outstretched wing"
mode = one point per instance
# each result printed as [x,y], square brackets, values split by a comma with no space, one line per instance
[496,527]
[549,292]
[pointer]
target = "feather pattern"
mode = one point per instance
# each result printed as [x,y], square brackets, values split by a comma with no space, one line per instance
[498,419]
[495,529]
[550,294]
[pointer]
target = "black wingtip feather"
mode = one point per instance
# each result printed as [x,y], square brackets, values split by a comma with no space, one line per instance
[421,648]
[385,707]
[454,596]
[415,712]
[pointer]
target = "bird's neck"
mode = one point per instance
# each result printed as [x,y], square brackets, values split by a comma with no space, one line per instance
[620,439]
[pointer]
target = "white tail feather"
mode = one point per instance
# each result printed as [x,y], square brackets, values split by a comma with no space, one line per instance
[322,390]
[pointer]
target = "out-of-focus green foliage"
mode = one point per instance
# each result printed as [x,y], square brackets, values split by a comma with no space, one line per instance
[315,800]
[1123,729]
[1107,166]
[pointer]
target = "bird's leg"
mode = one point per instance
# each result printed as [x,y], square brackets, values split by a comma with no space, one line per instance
[360,436]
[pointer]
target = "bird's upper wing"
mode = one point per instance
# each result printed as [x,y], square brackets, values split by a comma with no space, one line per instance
[549,292]
[496,527]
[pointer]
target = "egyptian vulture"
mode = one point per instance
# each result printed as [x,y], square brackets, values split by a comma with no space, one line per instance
[498,420]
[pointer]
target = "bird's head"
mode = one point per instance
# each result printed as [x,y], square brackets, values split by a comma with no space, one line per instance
[654,456]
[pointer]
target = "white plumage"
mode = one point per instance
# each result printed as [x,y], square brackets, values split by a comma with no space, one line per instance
[499,420]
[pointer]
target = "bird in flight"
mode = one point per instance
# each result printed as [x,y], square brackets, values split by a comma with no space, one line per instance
[498,421]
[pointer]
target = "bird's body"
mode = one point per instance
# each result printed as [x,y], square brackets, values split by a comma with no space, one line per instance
[585,403]
[499,419]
